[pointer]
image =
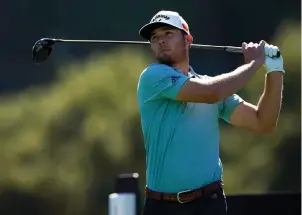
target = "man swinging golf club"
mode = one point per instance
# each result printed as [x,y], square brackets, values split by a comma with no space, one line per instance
[179,117]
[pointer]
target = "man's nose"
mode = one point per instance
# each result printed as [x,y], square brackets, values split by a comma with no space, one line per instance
[161,40]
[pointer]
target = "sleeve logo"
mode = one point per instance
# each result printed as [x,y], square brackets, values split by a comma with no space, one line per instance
[174,79]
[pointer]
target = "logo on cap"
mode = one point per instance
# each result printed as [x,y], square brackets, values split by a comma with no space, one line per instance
[185,26]
[158,18]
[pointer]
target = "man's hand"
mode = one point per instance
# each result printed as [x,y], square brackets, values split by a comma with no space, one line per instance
[273,64]
[254,52]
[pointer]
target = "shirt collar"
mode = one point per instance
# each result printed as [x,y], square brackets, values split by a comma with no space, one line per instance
[191,73]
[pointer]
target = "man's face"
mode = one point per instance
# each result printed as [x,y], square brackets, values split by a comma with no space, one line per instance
[169,45]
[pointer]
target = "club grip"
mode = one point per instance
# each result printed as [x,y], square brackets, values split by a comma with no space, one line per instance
[239,50]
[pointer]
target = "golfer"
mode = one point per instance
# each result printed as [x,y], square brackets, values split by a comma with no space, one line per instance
[180,110]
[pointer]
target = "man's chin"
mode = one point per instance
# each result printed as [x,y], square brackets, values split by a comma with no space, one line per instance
[165,60]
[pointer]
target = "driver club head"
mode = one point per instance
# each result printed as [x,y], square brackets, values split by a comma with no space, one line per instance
[42,49]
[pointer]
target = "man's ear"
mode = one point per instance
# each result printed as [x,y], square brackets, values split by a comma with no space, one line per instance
[189,39]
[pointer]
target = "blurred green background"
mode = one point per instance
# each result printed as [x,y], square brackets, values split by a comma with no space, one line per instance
[70,125]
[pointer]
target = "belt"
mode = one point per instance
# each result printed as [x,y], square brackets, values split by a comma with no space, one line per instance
[187,195]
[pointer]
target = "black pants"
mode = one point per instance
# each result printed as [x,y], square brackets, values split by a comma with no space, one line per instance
[214,204]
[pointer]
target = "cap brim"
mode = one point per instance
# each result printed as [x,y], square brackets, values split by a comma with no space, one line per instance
[146,30]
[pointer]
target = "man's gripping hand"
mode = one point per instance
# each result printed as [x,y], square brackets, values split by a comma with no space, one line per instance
[273,64]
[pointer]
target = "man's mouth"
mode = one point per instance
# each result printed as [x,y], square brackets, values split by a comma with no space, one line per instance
[164,50]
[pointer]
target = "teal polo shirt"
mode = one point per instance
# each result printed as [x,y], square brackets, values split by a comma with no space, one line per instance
[181,138]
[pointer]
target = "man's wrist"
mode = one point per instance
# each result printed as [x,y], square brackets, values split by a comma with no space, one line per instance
[275,71]
[255,64]
[274,64]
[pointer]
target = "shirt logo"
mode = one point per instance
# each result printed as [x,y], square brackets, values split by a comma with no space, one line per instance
[174,79]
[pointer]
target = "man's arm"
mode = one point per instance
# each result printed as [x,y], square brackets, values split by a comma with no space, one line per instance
[219,87]
[222,86]
[262,118]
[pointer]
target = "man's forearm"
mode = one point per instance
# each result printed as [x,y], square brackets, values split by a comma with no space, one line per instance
[227,84]
[269,104]
[217,88]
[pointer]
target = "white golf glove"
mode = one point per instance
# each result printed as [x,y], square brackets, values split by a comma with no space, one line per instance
[273,64]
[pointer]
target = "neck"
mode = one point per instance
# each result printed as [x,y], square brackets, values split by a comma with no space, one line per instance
[183,66]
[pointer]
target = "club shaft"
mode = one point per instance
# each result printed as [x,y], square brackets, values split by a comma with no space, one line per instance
[101,41]
[211,47]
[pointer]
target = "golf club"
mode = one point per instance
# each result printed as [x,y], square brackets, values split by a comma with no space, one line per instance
[43,47]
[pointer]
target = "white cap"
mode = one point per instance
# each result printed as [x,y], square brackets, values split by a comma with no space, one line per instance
[164,18]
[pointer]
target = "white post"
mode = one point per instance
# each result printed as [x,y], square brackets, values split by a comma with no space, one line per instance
[124,200]
[122,204]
